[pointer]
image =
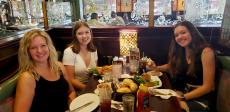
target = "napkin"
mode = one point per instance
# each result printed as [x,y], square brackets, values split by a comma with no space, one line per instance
[163,93]
[126,76]
[117,105]
[101,81]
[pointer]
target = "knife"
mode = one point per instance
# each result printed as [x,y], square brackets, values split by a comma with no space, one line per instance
[81,107]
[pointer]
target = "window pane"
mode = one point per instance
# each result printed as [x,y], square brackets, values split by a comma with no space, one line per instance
[162,12]
[59,12]
[166,12]
[210,11]
[21,14]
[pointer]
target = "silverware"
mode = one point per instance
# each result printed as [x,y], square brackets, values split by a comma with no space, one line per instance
[81,107]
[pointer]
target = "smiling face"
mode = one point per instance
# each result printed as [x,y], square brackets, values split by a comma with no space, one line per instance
[39,50]
[83,35]
[182,36]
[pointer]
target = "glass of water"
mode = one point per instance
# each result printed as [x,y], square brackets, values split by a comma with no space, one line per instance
[128,102]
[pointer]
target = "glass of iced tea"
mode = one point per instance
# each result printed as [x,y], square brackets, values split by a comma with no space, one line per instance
[105,97]
[142,65]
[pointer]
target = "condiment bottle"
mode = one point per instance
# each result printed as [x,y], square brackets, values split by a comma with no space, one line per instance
[143,99]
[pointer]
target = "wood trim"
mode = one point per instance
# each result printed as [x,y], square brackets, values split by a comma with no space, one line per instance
[45,17]
[151,13]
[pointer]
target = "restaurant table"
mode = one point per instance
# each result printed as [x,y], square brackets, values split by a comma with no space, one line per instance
[156,103]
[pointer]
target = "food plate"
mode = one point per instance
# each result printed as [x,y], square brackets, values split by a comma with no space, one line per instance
[123,76]
[155,73]
[89,100]
[156,78]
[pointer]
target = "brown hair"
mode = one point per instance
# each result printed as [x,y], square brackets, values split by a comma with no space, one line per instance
[75,43]
[177,53]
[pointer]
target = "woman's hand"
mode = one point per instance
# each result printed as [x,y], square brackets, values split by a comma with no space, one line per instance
[151,64]
[179,93]
[72,95]
[184,105]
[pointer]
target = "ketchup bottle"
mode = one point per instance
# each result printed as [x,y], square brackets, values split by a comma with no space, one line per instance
[143,99]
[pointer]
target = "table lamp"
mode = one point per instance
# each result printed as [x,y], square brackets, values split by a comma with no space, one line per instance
[128,39]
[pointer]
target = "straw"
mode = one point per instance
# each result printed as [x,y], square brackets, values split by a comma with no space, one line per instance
[143,54]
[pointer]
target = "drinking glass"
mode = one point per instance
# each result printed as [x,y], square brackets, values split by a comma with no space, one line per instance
[116,71]
[128,102]
[134,60]
[105,97]
[107,77]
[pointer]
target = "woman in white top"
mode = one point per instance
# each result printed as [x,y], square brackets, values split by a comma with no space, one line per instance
[80,55]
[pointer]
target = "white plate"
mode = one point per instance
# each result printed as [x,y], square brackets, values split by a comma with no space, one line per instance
[126,76]
[163,93]
[84,99]
[156,78]
[155,73]
[96,91]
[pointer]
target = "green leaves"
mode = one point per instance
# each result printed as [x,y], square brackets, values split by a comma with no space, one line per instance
[139,79]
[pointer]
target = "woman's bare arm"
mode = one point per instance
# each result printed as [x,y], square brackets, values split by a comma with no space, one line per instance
[24,92]
[152,66]
[163,68]
[72,93]
[76,83]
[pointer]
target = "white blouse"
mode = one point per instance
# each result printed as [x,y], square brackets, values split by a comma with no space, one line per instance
[81,70]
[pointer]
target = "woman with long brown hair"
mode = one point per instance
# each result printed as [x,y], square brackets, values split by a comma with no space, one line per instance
[192,65]
[81,55]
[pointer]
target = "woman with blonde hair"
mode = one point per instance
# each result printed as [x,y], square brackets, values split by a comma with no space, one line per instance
[43,85]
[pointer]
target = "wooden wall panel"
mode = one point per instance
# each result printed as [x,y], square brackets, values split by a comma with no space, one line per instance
[153,42]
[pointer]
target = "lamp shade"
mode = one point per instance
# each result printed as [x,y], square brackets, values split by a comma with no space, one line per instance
[128,39]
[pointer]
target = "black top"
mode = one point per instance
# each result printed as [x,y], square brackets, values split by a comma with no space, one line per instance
[180,80]
[50,96]
[197,77]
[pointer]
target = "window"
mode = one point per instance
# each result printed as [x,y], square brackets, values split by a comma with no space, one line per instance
[21,14]
[210,11]
[166,12]
[58,12]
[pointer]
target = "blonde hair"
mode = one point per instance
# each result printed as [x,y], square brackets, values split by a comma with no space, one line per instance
[26,63]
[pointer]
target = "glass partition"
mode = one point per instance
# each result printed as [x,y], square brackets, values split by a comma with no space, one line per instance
[204,12]
[24,14]
[225,28]
[18,15]
[58,12]
[130,12]
[166,12]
